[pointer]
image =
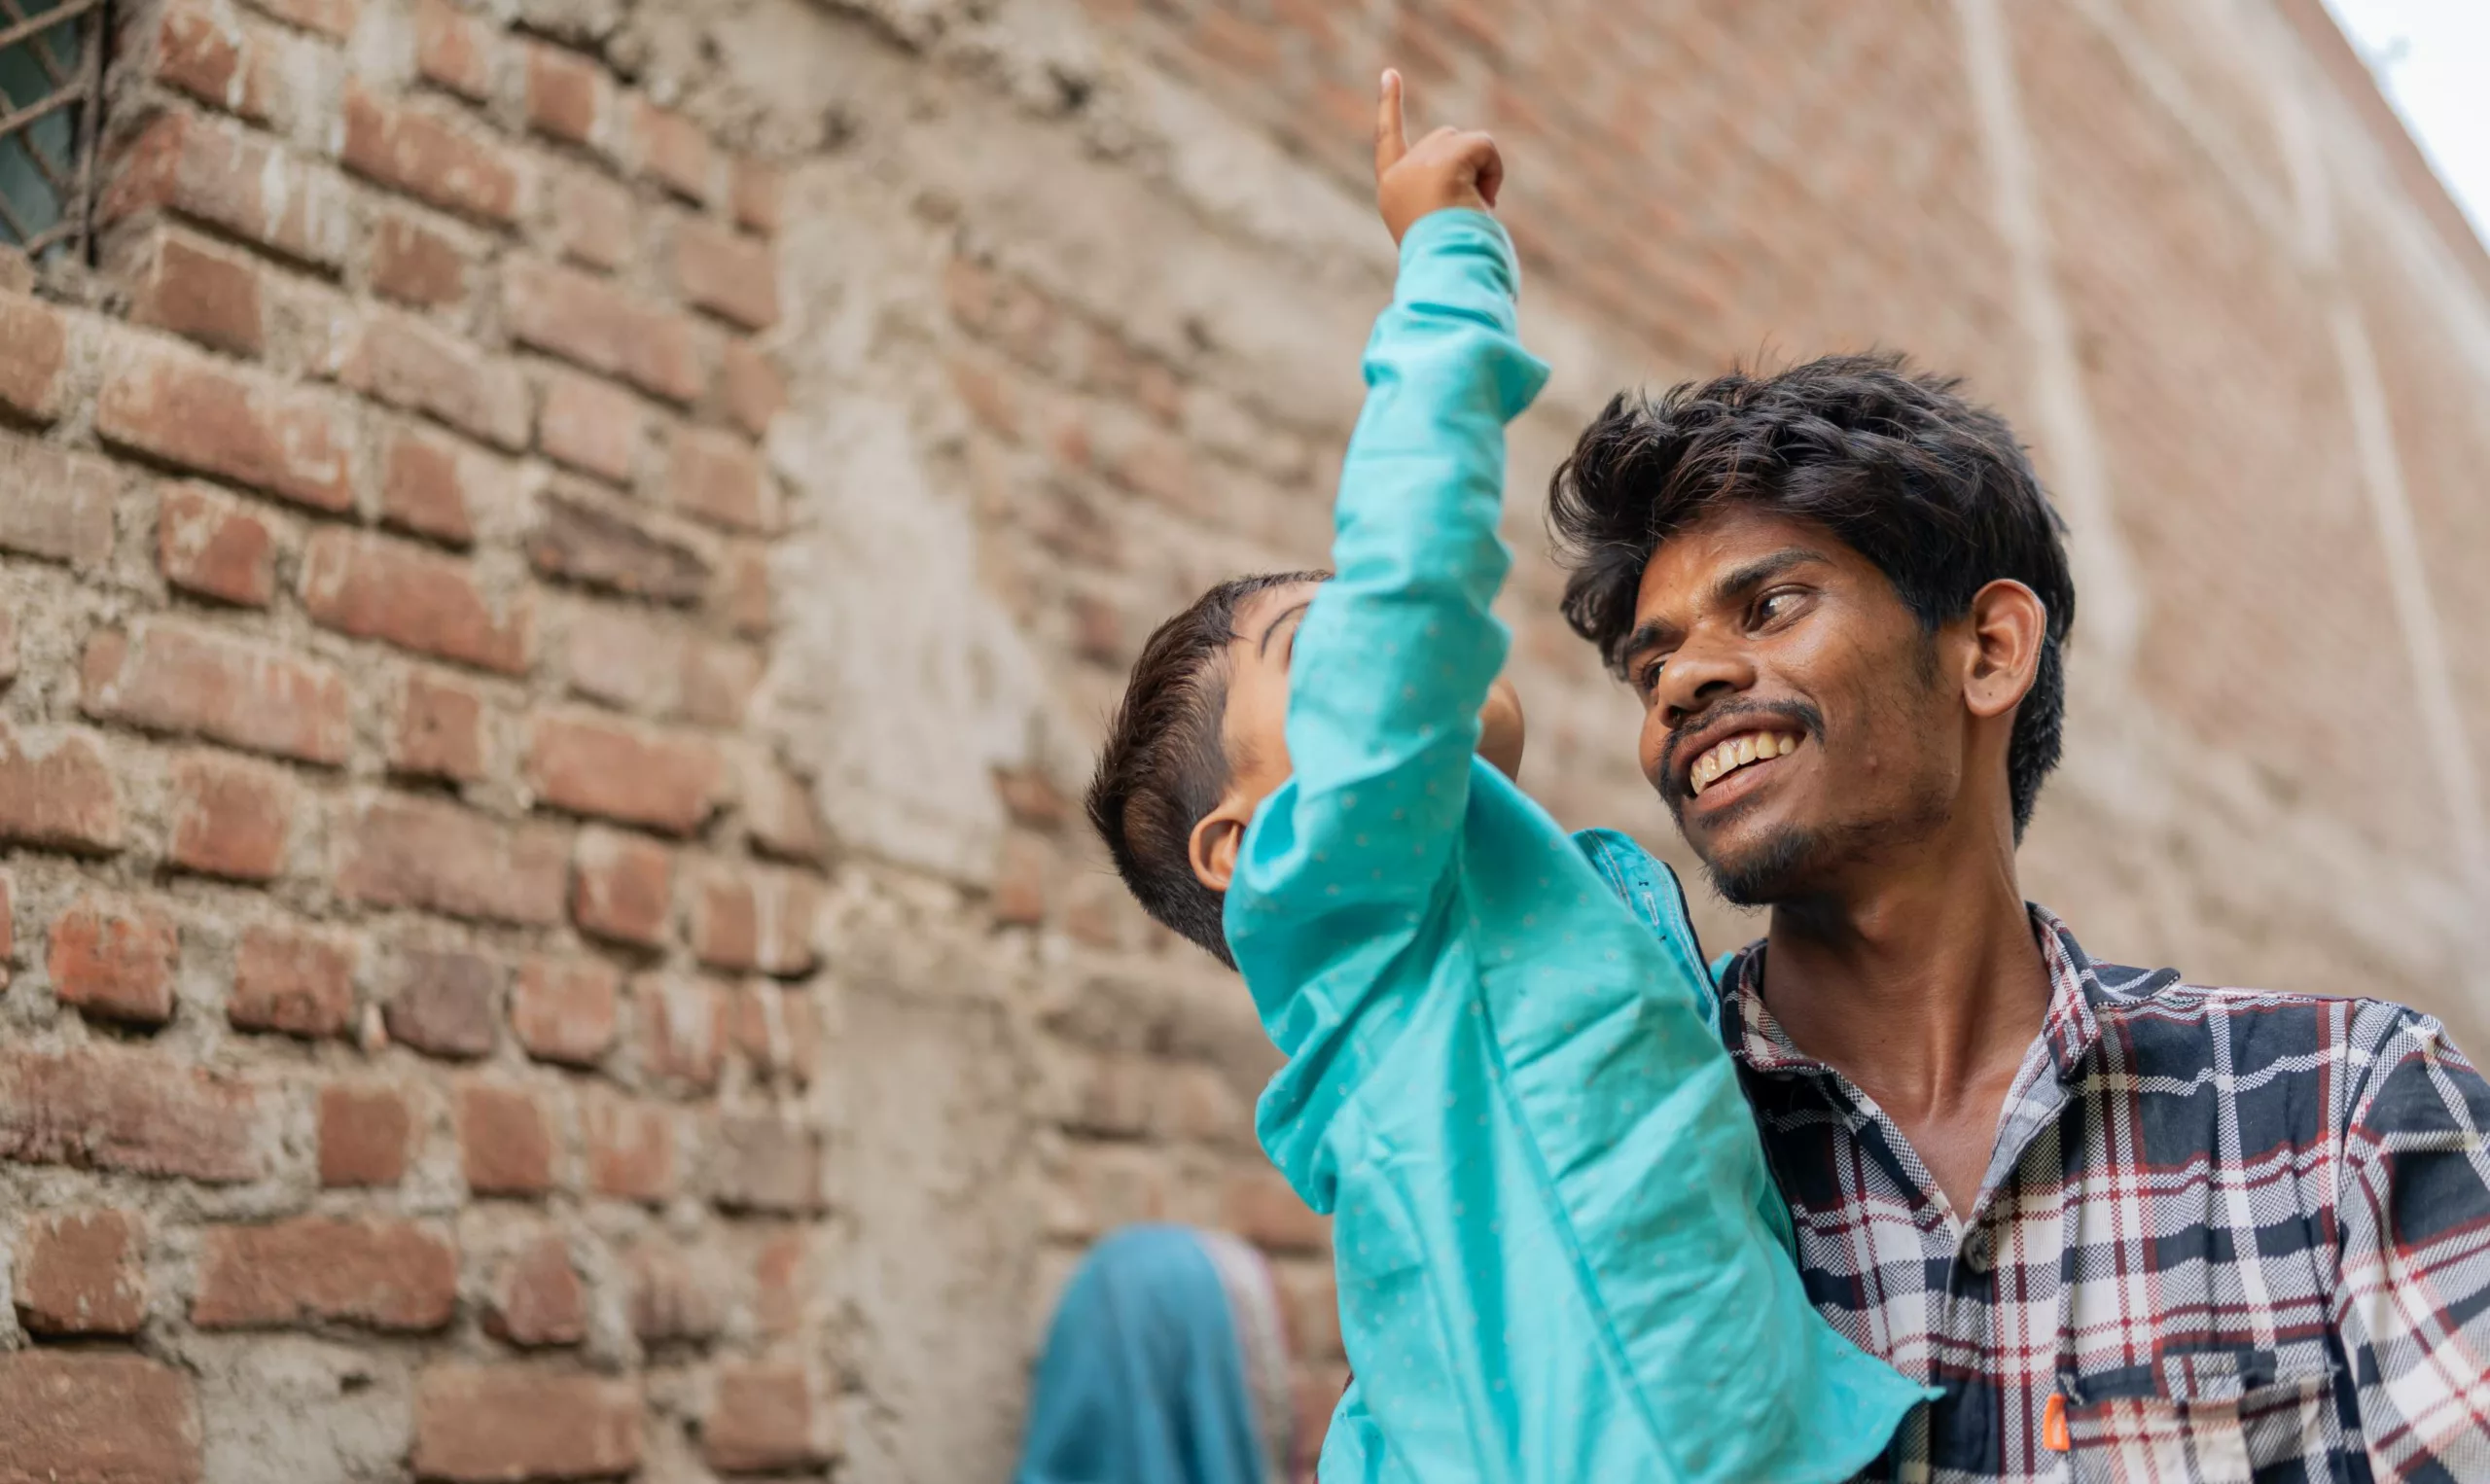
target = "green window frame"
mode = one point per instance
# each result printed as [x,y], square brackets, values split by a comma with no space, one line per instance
[51,67]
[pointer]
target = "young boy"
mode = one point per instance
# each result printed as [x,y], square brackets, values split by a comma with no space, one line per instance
[1560,1257]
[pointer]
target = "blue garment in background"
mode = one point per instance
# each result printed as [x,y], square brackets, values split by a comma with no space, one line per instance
[1149,1374]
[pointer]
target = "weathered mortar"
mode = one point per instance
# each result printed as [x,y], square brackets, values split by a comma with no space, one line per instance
[681,847]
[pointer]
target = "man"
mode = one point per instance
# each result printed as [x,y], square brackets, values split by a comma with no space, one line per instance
[2130,1227]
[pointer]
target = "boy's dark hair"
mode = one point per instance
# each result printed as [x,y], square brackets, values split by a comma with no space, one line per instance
[1165,763]
[1930,487]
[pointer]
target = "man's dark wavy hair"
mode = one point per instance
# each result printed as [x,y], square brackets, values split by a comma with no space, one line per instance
[1930,487]
[1165,763]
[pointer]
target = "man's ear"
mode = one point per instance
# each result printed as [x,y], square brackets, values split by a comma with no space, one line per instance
[2009,625]
[1214,842]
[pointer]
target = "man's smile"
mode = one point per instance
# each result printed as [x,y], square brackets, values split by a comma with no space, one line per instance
[1737,757]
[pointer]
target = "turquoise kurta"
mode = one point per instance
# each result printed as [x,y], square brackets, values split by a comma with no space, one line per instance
[1555,1236]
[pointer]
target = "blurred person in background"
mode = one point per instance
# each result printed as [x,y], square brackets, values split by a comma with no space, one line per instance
[1166,1365]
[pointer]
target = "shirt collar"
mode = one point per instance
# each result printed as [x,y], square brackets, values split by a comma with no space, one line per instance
[2071,1026]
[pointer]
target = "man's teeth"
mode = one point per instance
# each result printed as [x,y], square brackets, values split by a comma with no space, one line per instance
[1737,752]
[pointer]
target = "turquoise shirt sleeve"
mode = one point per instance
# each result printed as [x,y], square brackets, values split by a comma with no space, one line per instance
[1396,651]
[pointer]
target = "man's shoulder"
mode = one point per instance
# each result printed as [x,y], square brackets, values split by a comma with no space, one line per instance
[2158,1023]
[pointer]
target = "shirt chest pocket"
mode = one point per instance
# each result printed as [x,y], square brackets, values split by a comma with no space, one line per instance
[2225,1418]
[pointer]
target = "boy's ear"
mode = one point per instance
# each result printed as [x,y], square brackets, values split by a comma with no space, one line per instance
[1215,841]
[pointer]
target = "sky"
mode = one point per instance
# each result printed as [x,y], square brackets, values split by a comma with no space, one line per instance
[2432,57]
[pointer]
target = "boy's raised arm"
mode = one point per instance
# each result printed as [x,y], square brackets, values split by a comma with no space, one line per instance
[1398,652]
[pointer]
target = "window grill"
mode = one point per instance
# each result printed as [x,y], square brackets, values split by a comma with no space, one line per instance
[52,70]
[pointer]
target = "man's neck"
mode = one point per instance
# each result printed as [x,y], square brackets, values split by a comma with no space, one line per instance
[1925,987]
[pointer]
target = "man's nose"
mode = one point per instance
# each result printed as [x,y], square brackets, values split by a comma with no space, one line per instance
[1700,674]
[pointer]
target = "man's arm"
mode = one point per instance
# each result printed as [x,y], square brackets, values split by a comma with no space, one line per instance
[2412,1293]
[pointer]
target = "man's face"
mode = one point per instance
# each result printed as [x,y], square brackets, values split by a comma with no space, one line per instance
[1798,720]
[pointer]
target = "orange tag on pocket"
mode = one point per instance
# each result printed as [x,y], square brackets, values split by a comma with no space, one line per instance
[2053,1435]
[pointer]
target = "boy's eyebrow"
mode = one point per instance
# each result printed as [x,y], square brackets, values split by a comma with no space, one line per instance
[1729,589]
[1284,614]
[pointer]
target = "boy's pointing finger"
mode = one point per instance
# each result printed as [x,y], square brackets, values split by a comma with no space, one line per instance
[1391,136]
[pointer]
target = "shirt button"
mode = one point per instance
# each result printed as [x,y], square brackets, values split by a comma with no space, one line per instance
[1978,1250]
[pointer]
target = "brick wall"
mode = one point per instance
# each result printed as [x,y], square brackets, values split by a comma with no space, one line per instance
[559,572]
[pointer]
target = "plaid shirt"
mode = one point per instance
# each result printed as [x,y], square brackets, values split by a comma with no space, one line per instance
[2239,1236]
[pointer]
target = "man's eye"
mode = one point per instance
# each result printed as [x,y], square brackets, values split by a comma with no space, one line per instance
[1647,677]
[1774,604]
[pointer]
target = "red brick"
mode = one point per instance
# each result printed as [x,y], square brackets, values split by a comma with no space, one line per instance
[333,18]
[216,547]
[441,728]
[592,426]
[116,1109]
[407,148]
[200,292]
[447,1003]
[30,374]
[754,392]
[628,658]
[594,221]
[733,277]
[566,1010]
[217,61]
[95,1417]
[762,1163]
[778,814]
[432,488]
[719,680]
[56,790]
[415,265]
[630,1150]
[408,364]
[755,191]
[231,818]
[176,406]
[373,587]
[683,1028]
[300,983]
[782,1290]
[720,479]
[363,1136]
[491,1424]
[604,329]
[115,959]
[455,49]
[78,1273]
[622,888]
[192,681]
[608,550]
[1028,869]
[215,172]
[587,766]
[753,918]
[674,152]
[763,1421]
[505,1146]
[537,1297]
[1030,798]
[1262,1209]
[776,1030]
[60,505]
[567,95]
[672,1298]
[387,1275]
[420,853]
[742,591]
